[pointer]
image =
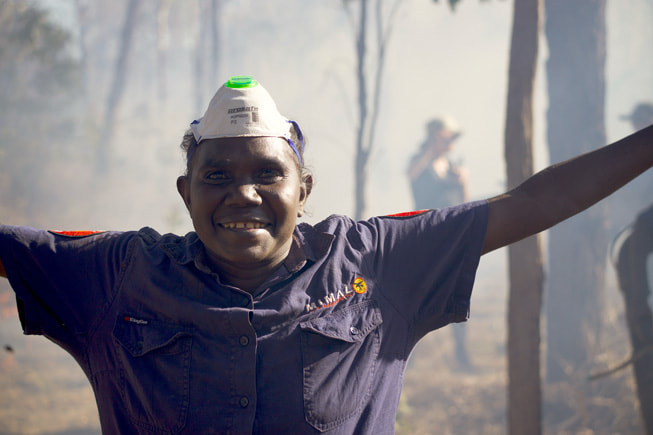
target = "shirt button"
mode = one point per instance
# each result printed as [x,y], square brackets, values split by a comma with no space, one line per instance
[244,401]
[354,330]
[244,341]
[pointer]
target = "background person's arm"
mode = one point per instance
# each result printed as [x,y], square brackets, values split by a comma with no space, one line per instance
[565,189]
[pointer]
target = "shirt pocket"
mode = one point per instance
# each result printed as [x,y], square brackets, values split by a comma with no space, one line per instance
[155,372]
[339,357]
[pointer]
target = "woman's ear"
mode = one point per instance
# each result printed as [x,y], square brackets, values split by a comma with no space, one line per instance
[304,192]
[183,187]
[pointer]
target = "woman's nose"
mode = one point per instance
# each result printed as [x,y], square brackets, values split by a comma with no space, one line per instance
[244,194]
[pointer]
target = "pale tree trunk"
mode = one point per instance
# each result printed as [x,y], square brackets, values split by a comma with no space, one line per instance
[199,57]
[362,153]
[81,8]
[162,46]
[369,105]
[214,48]
[117,87]
[207,51]
[525,257]
[575,32]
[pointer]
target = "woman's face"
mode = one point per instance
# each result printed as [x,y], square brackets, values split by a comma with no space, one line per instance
[244,196]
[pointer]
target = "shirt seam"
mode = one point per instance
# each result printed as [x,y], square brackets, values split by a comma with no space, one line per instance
[125,265]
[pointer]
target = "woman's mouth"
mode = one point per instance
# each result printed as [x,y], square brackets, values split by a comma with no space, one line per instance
[243,225]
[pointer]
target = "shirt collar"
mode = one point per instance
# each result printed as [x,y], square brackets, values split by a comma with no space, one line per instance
[308,244]
[314,244]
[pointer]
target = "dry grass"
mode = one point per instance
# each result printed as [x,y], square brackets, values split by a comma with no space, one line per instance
[43,390]
[439,399]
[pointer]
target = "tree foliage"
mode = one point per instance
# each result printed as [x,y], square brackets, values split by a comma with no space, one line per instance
[38,76]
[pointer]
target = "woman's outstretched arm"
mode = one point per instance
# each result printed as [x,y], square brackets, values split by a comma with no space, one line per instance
[565,189]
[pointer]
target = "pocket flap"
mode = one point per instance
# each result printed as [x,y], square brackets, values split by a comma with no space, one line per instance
[142,336]
[351,324]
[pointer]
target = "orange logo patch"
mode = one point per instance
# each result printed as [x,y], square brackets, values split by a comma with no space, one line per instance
[359,286]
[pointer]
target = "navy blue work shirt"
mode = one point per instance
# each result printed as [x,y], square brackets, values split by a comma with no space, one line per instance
[321,347]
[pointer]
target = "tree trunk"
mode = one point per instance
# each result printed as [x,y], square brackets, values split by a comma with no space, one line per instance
[361,159]
[575,32]
[369,105]
[118,86]
[162,46]
[199,57]
[525,257]
[213,74]
[81,9]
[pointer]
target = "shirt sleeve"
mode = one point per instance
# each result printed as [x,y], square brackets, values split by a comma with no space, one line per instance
[63,282]
[427,262]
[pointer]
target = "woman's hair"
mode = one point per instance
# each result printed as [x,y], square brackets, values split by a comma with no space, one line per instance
[189,145]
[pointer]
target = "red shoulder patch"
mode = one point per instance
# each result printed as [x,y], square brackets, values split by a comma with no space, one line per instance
[407,213]
[75,233]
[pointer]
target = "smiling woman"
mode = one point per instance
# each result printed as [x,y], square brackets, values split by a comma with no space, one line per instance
[245,183]
[254,323]
[244,195]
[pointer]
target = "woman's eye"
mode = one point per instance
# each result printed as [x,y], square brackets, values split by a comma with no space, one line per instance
[216,176]
[270,174]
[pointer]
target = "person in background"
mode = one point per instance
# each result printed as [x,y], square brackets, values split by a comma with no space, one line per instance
[632,254]
[254,322]
[437,182]
[641,116]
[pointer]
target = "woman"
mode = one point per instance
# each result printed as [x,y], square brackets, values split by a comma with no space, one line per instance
[254,323]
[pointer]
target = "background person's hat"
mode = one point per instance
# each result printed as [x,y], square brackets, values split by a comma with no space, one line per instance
[446,126]
[641,116]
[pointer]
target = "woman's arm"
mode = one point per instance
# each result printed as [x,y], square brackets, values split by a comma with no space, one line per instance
[565,189]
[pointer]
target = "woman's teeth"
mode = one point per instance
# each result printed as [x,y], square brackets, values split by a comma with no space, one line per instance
[244,225]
